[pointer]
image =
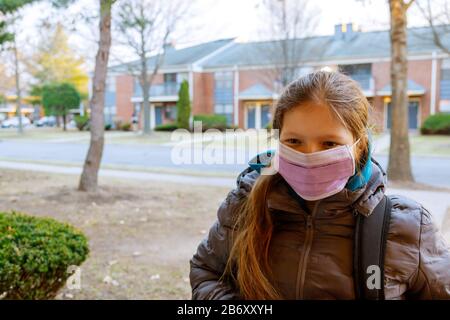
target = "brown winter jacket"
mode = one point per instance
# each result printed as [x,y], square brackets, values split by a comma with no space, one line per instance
[316,262]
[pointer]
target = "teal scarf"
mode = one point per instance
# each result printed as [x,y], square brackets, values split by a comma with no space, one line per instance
[357,181]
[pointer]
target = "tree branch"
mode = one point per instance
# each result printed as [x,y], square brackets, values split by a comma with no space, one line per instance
[408,4]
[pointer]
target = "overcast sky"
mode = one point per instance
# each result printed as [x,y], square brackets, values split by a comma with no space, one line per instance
[216,19]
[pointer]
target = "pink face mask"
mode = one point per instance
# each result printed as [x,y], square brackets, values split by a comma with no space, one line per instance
[316,175]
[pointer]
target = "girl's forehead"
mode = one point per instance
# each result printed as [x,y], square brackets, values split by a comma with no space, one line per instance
[314,119]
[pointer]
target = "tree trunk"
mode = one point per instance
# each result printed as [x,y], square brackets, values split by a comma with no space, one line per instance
[399,167]
[145,84]
[146,104]
[18,91]
[64,122]
[89,176]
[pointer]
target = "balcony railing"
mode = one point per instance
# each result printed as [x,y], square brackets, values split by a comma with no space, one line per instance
[159,90]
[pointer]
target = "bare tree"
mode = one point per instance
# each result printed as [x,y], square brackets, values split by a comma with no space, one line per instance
[290,23]
[89,176]
[399,167]
[438,18]
[10,19]
[7,80]
[145,26]
[17,82]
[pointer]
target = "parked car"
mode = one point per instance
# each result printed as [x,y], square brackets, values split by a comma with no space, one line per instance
[14,122]
[49,121]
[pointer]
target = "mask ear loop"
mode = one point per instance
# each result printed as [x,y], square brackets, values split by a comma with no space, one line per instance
[351,151]
[356,142]
[370,146]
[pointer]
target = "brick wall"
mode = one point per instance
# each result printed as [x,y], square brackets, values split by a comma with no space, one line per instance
[419,71]
[203,93]
[203,100]
[248,78]
[124,92]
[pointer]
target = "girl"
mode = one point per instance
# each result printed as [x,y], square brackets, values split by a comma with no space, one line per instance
[266,245]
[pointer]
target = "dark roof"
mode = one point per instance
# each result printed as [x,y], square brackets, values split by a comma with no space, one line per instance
[358,45]
[178,58]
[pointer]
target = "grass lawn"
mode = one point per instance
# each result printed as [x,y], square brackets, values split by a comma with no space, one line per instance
[74,135]
[436,145]
[427,145]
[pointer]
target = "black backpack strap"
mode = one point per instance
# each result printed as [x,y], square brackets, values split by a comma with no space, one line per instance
[369,249]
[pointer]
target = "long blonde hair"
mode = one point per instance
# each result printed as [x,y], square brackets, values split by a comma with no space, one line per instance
[249,256]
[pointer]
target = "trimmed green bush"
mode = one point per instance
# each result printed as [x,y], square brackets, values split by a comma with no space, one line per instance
[183,106]
[166,127]
[212,121]
[126,126]
[35,254]
[82,122]
[436,124]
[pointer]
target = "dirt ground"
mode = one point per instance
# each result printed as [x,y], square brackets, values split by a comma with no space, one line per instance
[141,234]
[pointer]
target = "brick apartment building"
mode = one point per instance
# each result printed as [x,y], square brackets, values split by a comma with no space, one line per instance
[241,80]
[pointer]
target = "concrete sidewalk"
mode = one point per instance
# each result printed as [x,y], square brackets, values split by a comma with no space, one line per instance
[436,202]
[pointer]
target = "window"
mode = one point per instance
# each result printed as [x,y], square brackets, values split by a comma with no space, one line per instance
[170,112]
[444,104]
[111,84]
[136,112]
[364,69]
[223,79]
[110,110]
[223,108]
[223,87]
[224,75]
[170,77]
[219,108]
[362,73]
[226,110]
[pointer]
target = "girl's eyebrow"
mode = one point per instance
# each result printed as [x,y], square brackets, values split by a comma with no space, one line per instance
[327,136]
[332,136]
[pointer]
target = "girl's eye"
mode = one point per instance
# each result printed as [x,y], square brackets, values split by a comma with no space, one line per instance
[330,144]
[292,141]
